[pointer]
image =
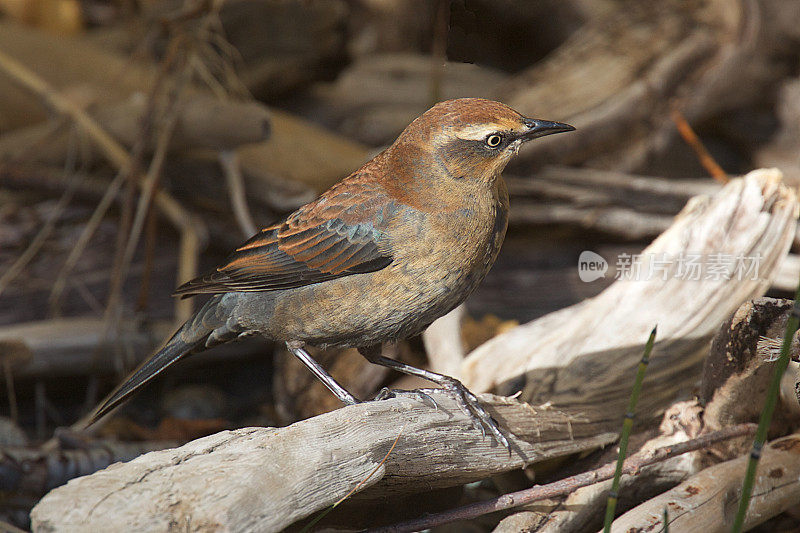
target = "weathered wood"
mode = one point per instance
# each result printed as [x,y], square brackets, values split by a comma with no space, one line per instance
[573,357]
[78,346]
[265,478]
[707,501]
[443,343]
[99,76]
[706,56]
[583,509]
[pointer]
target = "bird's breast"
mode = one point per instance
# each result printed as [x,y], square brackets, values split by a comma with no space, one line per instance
[438,259]
[451,250]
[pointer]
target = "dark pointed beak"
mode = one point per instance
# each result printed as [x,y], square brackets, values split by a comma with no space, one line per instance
[539,128]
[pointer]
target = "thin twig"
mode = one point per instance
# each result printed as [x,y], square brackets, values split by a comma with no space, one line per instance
[766,414]
[42,235]
[150,238]
[632,466]
[696,144]
[83,240]
[627,428]
[233,175]
[112,150]
[148,187]
[192,230]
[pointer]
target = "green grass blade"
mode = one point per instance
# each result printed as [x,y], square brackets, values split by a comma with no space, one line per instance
[627,426]
[766,415]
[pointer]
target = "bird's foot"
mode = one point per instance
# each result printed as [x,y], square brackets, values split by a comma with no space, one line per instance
[470,404]
[418,394]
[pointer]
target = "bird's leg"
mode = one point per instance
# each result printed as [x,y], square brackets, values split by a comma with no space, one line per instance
[296,347]
[468,402]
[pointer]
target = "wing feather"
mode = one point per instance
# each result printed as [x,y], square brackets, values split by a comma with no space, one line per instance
[339,234]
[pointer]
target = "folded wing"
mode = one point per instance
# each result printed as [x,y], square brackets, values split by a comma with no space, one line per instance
[339,234]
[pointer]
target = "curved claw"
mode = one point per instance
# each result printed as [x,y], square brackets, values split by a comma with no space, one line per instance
[471,406]
[386,393]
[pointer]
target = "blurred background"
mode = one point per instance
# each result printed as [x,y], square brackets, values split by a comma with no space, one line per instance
[142,140]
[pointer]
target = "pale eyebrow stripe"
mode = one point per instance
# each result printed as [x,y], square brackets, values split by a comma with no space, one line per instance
[478,133]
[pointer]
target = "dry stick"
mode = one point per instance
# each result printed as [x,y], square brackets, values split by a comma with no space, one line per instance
[125,229]
[189,227]
[696,144]
[148,187]
[233,174]
[150,238]
[766,414]
[115,153]
[564,486]
[83,240]
[40,238]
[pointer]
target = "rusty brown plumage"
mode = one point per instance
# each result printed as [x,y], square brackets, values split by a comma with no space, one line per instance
[331,237]
[377,257]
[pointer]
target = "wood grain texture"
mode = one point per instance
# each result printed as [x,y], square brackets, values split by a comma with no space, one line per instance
[707,501]
[264,479]
[750,216]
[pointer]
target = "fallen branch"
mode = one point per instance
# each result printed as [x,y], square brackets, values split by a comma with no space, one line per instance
[632,466]
[77,347]
[707,501]
[578,356]
[190,229]
[311,464]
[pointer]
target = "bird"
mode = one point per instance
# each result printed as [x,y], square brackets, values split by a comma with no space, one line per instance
[376,258]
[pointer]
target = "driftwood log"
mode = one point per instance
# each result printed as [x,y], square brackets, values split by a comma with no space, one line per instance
[734,383]
[264,479]
[705,56]
[573,357]
[439,448]
[708,500]
[584,507]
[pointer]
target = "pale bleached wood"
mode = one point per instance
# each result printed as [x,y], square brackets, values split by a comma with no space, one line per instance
[625,206]
[707,501]
[443,343]
[584,507]
[263,479]
[750,216]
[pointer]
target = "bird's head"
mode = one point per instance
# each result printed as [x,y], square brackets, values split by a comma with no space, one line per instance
[474,137]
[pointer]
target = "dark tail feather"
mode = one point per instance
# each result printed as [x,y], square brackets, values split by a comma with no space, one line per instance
[172,351]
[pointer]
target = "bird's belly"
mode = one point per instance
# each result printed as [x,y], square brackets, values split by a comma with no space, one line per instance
[364,309]
[393,303]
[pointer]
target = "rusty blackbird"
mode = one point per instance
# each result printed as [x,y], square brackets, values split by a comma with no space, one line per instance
[376,258]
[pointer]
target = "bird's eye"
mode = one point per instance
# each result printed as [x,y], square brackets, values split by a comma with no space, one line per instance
[494,140]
